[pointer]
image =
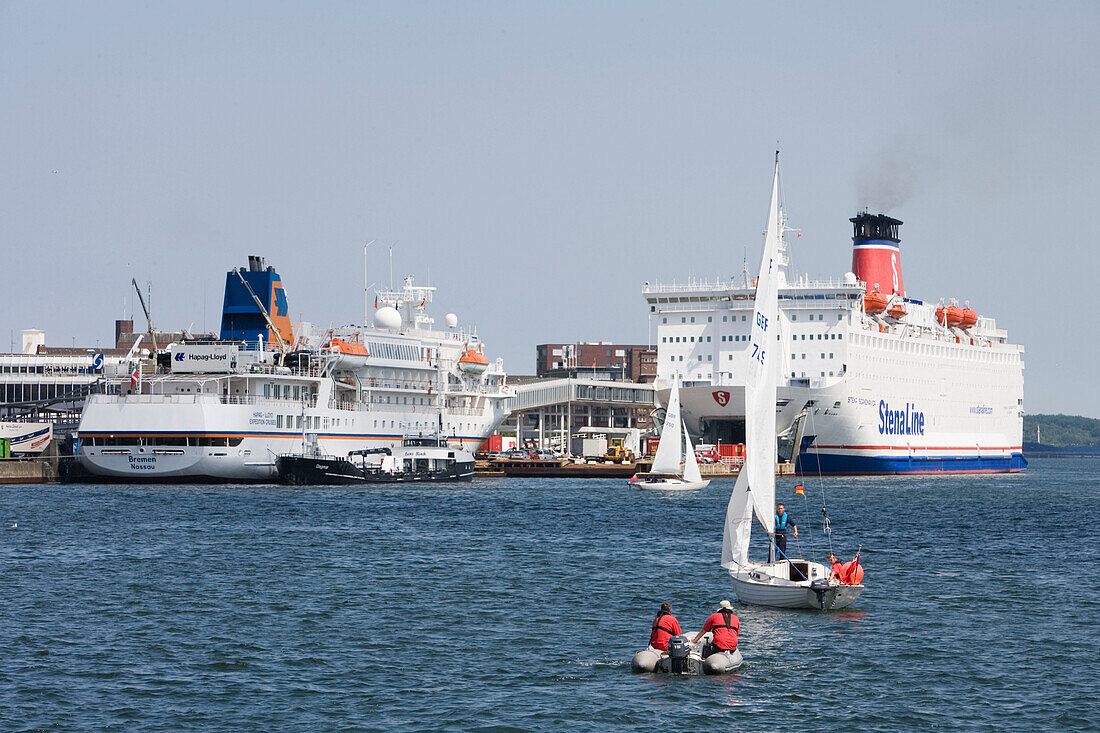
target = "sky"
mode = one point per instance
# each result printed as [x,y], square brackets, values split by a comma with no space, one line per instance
[538,162]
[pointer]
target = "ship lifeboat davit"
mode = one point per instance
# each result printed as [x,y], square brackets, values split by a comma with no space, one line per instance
[951,316]
[473,362]
[897,310]
[875,302]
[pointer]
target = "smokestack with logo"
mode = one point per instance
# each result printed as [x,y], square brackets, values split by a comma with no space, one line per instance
[876,253]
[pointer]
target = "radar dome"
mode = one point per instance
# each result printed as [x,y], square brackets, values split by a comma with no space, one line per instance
[387,317]
[451,319]
[850,278]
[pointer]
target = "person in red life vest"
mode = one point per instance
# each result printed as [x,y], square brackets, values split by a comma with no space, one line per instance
[665,626]
[725,625]
[838,567]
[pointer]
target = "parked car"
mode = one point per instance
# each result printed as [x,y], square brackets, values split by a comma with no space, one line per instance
[519,454]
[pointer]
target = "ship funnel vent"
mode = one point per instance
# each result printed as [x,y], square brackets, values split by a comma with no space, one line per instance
[876,253]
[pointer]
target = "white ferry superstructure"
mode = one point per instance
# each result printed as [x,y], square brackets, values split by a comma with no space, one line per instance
[871,381]
[225,410]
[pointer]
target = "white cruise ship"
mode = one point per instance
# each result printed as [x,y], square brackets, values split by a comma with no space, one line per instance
[871,380]
[225,410]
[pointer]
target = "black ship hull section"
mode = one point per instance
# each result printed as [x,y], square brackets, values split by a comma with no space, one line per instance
[305,471]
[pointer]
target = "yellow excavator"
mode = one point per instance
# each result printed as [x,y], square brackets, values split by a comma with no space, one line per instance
[617,452]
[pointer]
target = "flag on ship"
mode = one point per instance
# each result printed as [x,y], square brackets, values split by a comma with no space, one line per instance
[799,490]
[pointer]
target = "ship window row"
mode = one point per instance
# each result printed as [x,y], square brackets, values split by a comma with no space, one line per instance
[180,441]
[46,369]
[820,336]
[403,400]
[286,392]
[818,316]
[684,339]
[30,392]
[385,350]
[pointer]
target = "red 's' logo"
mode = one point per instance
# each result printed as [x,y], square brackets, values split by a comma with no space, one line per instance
[721,397]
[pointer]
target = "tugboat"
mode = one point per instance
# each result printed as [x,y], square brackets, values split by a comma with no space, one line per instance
[419,458]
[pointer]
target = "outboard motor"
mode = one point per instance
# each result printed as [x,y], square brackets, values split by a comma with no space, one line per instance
[678,649]
[825,593]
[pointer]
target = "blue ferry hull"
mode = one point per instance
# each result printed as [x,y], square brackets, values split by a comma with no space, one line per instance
[833,463]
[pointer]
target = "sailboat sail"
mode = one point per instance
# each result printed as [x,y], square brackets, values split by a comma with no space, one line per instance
[667,459]
[691,465]
[755,487]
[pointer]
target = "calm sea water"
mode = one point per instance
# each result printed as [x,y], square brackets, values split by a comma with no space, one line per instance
[517,605]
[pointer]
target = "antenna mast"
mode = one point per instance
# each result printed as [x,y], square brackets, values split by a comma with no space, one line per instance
[366,296]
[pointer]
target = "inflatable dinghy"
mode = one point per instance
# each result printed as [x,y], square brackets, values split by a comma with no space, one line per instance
[683,657]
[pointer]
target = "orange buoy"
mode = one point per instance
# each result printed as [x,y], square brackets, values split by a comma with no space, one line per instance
[851,573]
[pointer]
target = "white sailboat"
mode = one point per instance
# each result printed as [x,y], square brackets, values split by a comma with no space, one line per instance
[782,582]
[666,474]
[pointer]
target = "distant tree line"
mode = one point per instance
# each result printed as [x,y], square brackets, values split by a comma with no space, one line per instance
[1061,430]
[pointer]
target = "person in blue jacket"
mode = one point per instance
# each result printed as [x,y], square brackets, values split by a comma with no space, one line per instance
[783,525]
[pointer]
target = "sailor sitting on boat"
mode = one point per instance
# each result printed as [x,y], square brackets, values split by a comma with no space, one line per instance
[665,626]
[725,625]
[838,567]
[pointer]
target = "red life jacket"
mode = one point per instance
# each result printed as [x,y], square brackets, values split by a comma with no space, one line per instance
[662,632]
[725,632]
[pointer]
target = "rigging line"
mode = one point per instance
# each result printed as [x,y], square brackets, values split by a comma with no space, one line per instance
[825,528]
[806,513]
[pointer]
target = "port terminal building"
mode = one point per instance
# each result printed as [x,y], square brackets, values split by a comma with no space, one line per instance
[550,413]
[42,383]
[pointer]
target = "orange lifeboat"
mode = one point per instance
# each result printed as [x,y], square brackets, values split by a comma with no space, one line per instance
[969,318]
[897,310]
[473,361]
[345,347]
[347,355]
[951,316]
[875,302]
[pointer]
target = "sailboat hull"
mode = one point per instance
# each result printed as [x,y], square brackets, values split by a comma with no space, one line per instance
[670,485]
[764,586]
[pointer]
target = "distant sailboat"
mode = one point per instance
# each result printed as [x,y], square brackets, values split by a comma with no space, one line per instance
[780,582]
[666,473]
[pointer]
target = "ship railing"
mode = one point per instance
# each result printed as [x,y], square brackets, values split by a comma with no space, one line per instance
[410,384]
[271,401]
[397,407]
[190,399]
[380,407]
[739,285]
